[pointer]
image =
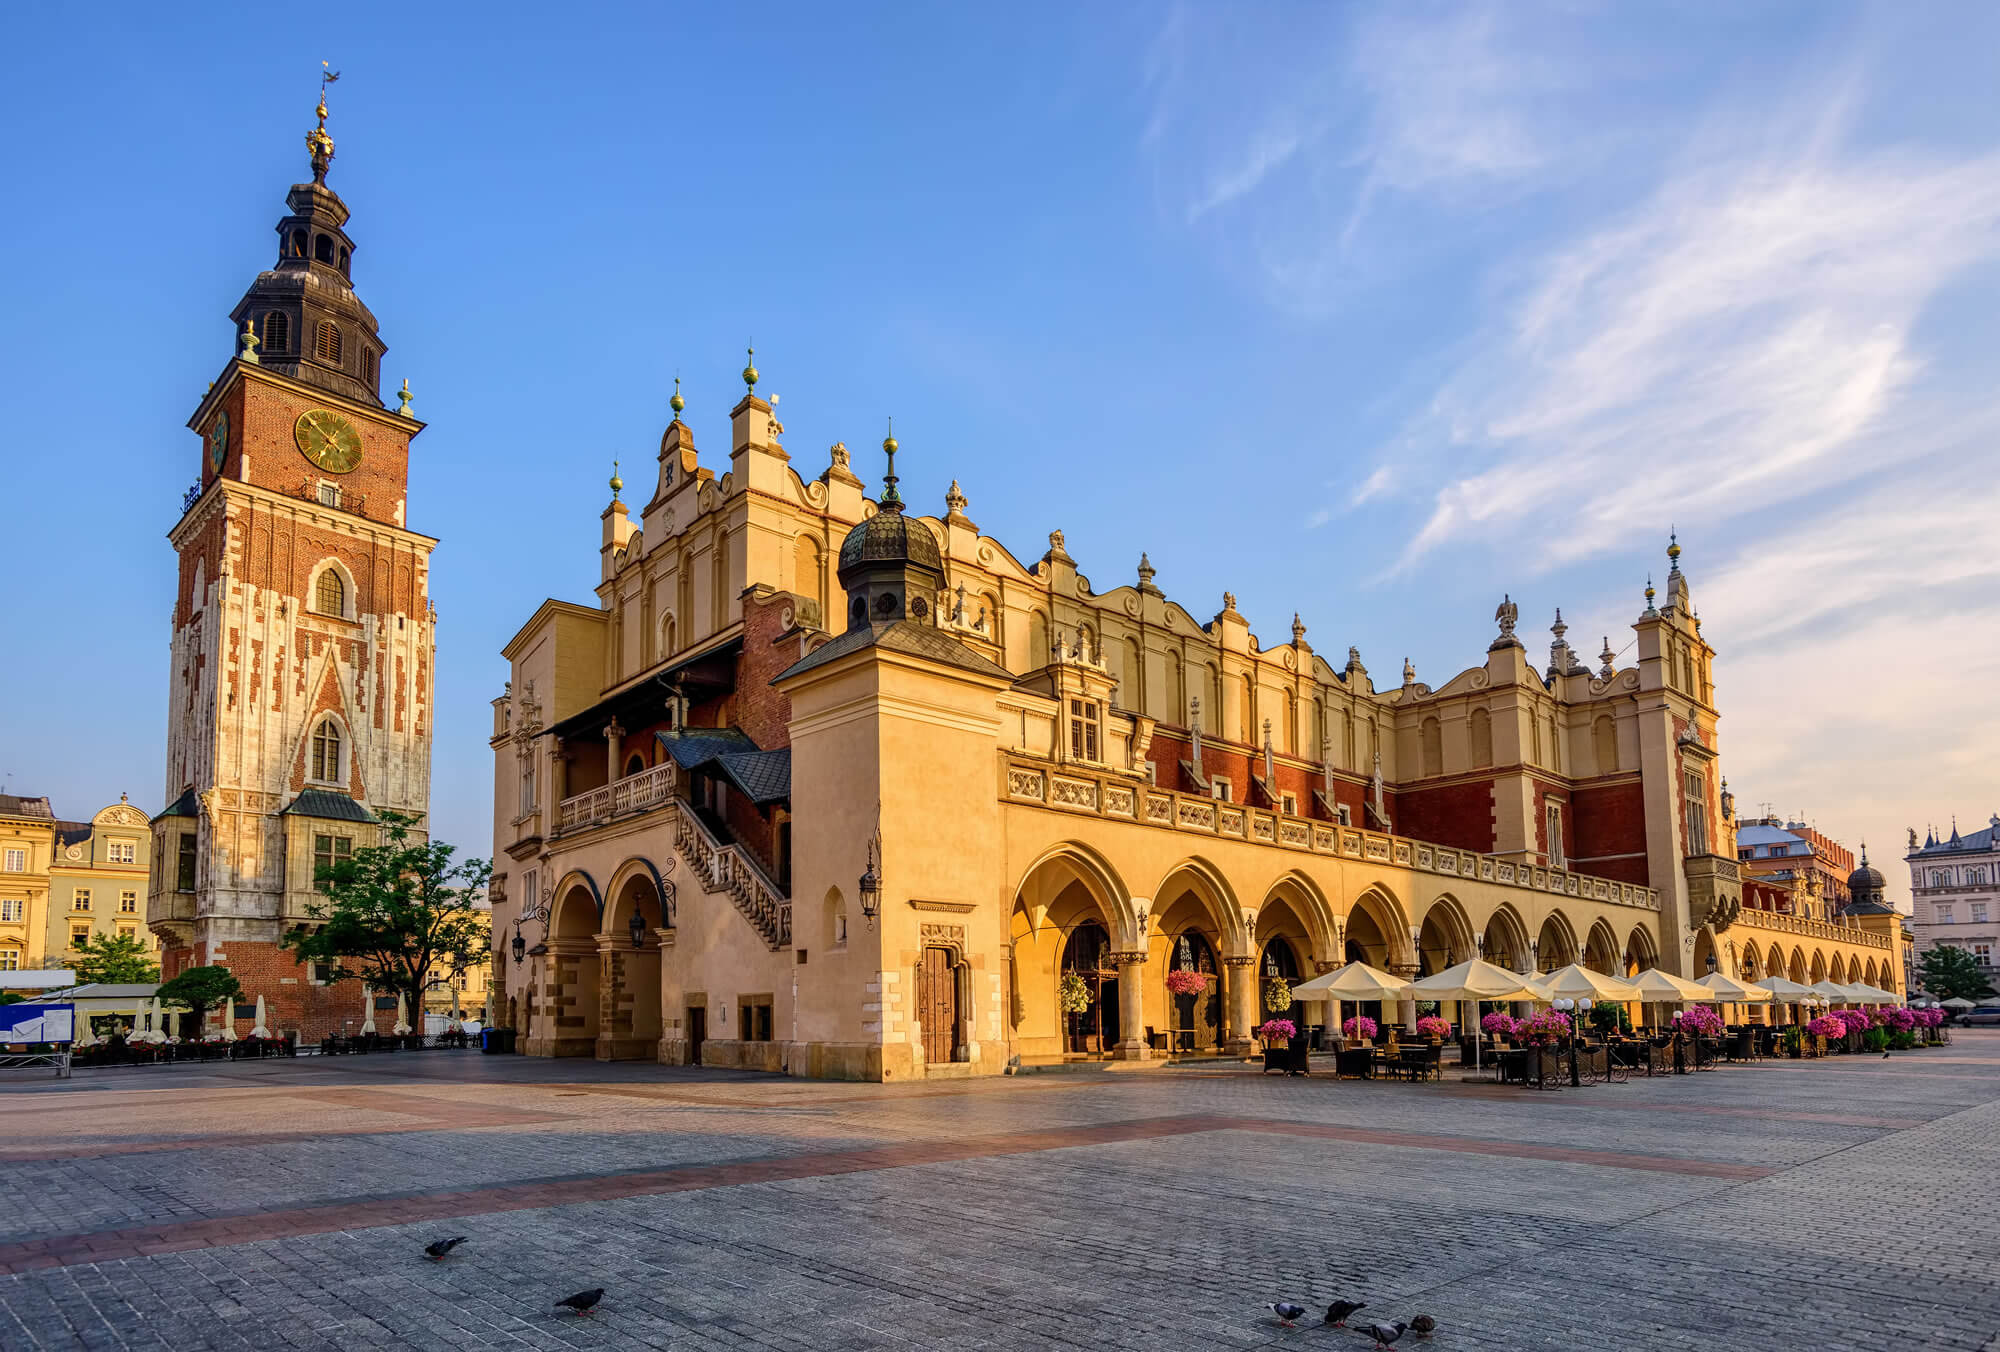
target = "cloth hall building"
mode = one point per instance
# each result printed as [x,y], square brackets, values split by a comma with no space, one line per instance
[821,785]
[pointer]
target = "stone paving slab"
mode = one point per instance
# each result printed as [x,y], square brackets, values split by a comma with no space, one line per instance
[1844,1204]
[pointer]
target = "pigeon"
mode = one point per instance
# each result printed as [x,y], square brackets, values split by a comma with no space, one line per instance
[1423,1326]
[1885,1056]
[1336,1313]
[1287,1312]
[1384,1334]
[583,1302]
[437,1249]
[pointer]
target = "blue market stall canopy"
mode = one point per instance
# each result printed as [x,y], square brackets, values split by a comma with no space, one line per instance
[37,1023]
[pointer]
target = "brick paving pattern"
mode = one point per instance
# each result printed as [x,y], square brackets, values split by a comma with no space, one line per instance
[1835,1205]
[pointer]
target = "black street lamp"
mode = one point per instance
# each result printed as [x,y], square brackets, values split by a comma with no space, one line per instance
[871,895]
[520,945]
[638,928]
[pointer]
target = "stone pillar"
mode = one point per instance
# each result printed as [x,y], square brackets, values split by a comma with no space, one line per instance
[614,732]
[558,782]
[1131,1008]
[1240,1010]
[1406,1010]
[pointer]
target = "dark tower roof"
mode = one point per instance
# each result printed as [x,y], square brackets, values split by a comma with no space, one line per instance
[308,322]
[1865,887]
[890,566]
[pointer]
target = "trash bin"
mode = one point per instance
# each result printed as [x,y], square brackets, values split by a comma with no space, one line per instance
[488,1043]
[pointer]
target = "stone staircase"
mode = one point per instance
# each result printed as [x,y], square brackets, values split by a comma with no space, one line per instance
[730,869]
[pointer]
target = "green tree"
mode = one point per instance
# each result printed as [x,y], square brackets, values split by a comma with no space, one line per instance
[114,958]
[396,912]
[201,989]
[1951,972]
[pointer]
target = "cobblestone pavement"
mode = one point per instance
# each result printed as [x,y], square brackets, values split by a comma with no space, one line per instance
[1844,1204]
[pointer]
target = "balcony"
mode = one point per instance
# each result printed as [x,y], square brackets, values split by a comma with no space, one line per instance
[1815,929]
[635,793]
[1070,787]
[1715,890]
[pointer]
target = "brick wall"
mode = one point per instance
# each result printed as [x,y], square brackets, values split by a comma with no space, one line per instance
[291,1000]
[762,712]
[1607,821]
[1449,814]
[262,416]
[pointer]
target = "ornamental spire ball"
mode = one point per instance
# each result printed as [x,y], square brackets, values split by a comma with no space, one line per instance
[891,499]
[750,371]
[677,403]
[617,484]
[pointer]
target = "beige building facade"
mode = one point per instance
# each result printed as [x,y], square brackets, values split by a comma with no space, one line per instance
[63,883]
[821,785]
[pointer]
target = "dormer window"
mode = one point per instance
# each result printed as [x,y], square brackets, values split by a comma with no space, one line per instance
[277,332]
[326,342]
[1083,729]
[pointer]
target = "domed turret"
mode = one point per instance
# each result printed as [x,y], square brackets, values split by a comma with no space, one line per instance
[889,565]
[1866,884]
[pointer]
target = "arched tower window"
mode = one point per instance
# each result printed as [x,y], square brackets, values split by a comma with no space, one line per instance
[368,364]
[326,342]
[343,262]
[298,248]
[323,248]
[330,594]
[277,332]
[326,752]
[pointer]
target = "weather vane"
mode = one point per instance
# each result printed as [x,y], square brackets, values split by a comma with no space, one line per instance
[317,141]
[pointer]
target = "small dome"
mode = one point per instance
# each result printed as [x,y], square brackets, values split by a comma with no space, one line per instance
[889,536]
[1866,878]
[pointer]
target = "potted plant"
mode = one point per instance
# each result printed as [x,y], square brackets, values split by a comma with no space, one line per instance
[1826,1027]
[1359,1028]
[1499,1025]
[1183,982]
[1277,995]
[1277,1035]
[1072,996]
[1435,1028]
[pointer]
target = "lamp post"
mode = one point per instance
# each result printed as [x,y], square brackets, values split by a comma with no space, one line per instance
[519,946]
[638,927]
[871,891]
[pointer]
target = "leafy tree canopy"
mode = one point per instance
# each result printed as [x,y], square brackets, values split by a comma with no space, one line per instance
[201,988]
[114,958]
[396,912]
[1950,972]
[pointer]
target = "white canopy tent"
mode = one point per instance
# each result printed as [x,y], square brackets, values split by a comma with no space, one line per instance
[1476,980]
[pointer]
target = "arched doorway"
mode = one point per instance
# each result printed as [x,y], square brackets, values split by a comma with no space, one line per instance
[1197,1014]
[1640,954]
[1555,946]
[1507,941]
[570,1011]
[630,972]
[1093,1029]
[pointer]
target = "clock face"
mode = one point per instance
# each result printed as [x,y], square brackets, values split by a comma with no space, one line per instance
[328,440]
[218,442]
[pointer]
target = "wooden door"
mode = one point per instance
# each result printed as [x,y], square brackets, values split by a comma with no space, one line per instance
[938,1004]
[697,1033]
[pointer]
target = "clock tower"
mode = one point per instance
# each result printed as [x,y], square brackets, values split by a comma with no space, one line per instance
[303,635]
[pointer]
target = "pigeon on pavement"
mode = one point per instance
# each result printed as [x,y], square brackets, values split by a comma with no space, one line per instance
[1336,1313]
[439,1248]
[1384,1334]
[1423,1326]
[1287,1312]
[583,1302]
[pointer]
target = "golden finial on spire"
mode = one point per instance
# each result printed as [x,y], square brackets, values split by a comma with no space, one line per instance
[677,403]
[617,484]
[750,371]
[317,140]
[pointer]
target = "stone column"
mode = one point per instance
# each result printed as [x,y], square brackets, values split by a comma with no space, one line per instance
[1406,1010]
[613,733]
[1131,1008]
[558,779]
[1240,1010]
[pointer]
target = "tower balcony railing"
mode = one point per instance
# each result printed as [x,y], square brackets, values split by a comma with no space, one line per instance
[621,798]
[1070,787]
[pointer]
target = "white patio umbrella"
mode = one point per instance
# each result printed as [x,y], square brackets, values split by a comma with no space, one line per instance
[1578,982]
[1476,980]
[402,1015]
[367,1009]
[229,1019]
[1831,992]
[1788,992]
[258,1029]
[1728,990]
[1959,1003]
[1355,981]
[1871,995]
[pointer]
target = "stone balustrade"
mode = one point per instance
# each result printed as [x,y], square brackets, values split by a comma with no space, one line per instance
[1076,788]
[1814,929]
[621,798]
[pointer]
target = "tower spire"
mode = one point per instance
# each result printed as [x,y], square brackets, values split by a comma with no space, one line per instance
[892,501]
[317,141]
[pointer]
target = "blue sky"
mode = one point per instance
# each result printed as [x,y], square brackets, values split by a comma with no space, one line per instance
[1371,312]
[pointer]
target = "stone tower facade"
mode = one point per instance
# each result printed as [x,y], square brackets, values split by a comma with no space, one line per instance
[303,638]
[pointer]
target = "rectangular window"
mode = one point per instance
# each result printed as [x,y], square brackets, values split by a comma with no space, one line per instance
[1978,912]
[1558,858]
[128,903]
[756,1020]
[10,959]
[1291,804]
[1221,790]
[329,852]
[1780,849]
[1346,815]
[1983,954]
[11,908]
[14,861]
[79,935]
[1945,914]
[1083,718]
[184,870]
[128,932]
[80,900]
[322,973]
[124,852]
[527,784]
[1697,812]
